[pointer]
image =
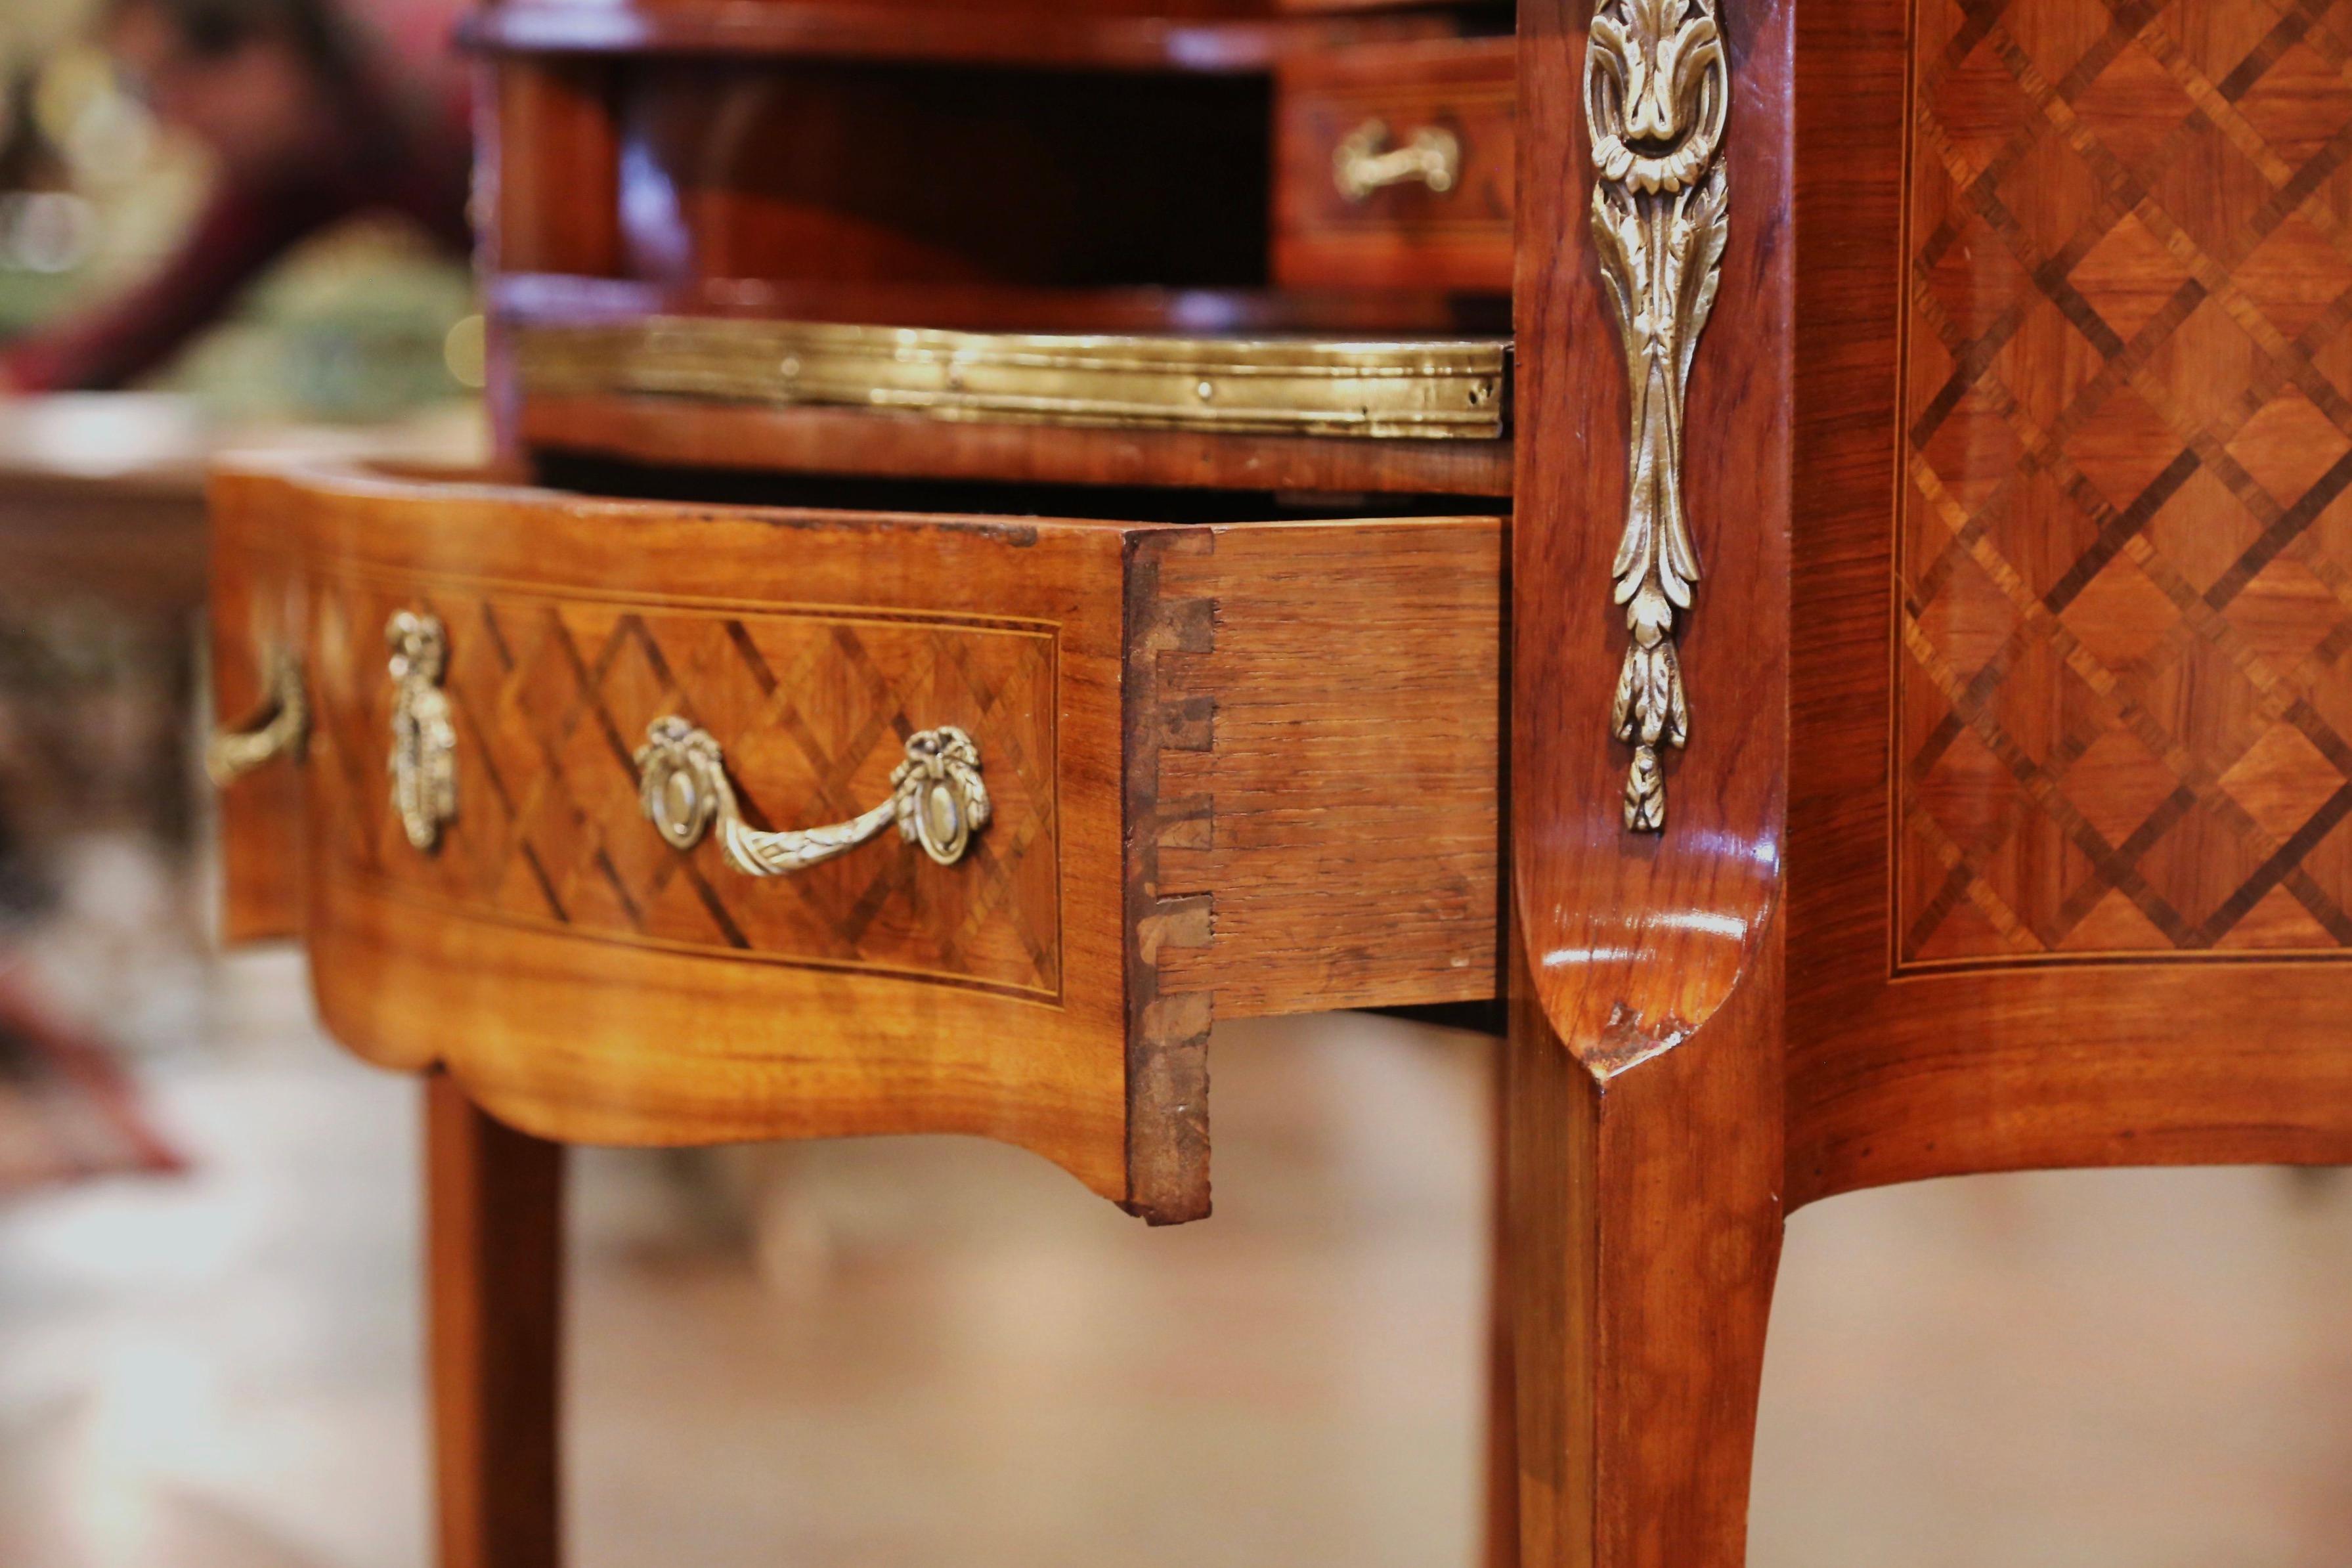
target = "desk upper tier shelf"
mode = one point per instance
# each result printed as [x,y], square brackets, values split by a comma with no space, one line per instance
[1241,37]
[982,242]
[1103,392]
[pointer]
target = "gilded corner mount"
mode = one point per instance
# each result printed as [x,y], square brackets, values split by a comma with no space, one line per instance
[1657,91]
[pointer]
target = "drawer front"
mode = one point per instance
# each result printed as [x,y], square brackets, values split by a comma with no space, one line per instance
[512,914]
[1395,167]
[552,693]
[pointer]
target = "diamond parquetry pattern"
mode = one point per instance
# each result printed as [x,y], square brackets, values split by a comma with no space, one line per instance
[552,698]
[2124,684]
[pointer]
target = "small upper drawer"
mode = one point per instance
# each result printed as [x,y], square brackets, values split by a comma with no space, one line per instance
[669,823]
[1394,166]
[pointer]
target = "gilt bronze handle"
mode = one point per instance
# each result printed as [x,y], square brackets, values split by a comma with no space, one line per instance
[1363,162]
[935,798]
[280,731]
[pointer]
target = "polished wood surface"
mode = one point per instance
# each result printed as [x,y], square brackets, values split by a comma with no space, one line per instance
[1344,710]
[2122,705]
[1241,37]
[553,159]
[1406,234]
[1646,992]
[1728,1021]
[1291,723]
[2179,1039]
[822,171]
[567,300]
[255,615]
[1354,666]
[494,1217]
[853,441]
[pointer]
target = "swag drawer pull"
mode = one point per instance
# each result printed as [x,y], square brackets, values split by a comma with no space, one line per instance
[230,754]
[936,799]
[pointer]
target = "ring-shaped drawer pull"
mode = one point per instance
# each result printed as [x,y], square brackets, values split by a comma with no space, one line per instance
[936,799]
[280,731]
[423,758]
[1359,165]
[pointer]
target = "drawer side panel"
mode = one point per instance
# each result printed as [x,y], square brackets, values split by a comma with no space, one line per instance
[1348,714]
[255,615]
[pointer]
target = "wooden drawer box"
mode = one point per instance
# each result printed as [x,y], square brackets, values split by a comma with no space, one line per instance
[1394,166]
[1230,769]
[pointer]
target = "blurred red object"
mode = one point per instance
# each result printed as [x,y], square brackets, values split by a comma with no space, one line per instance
[316,112]
[67,1109]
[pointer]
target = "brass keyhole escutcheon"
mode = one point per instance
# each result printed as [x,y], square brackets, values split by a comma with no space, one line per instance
[424,758]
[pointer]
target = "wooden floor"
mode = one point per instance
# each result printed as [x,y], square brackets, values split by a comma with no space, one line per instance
[947,1353]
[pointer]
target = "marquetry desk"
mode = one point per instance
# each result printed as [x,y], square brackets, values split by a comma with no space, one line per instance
[1020,533]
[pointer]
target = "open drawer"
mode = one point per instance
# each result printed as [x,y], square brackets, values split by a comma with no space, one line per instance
[672,823]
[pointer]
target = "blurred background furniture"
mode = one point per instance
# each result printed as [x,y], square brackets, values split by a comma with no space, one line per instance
[102,552]
[108,206]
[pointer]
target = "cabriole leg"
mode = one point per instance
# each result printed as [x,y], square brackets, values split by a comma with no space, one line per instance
[1645,1232]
